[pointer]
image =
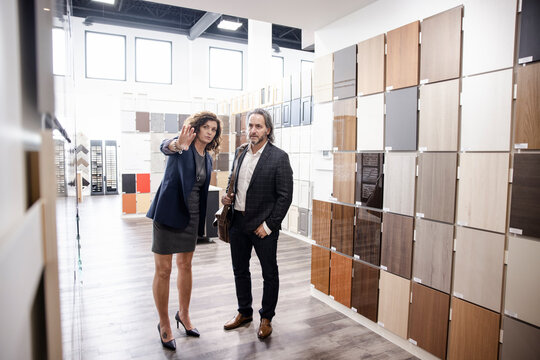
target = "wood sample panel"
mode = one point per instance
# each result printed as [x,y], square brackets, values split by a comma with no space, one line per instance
[527,133]
[396,244]
[323,78]
[320,268]
[369,179]
[370,122]
[345,73]
[525,207]
[343,229]
[394,303]
[402,56]
[344,133]
[401,119]
[340,278]
[344,177]
[365,290]
[370,63]
[225,144]
[399,183]
[367,239]
[520,340]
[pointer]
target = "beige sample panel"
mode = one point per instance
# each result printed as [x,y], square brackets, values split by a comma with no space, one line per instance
[370,62]
[399,178]
[323,78]
[394,303]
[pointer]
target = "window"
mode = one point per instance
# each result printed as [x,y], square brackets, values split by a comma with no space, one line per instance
[226,68]
[59,51]
[153,61]
[277,68]
[105,56]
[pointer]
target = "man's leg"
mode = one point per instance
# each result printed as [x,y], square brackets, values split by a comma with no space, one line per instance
[266,249]
[241,254]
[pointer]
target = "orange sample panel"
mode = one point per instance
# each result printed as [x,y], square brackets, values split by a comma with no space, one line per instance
[143,183]
[402,56]
[341,278]
[129,203]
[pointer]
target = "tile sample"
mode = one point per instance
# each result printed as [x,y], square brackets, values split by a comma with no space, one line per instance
[171,123]
[440,52]
[370,60]
[520,340]
[438,116]
[486,112]
[525,207]
[344,177]
[345,73]
[428,319]
[295,112]
[320,268]
[394,303]
[365,290]
[322,222]
[402,56]
[529,47]
[370,122]
[367,238]
[142,121]
[478,267]
[143,203]
[344,133]
[129,203]
[157,122]
[343,229]
[396,244]
[307,106]
[340,278]
[143,183]
[129,185]
[482,191]
[128,121]
[474,332]
[369,179]
[399,181]
[432,259]
[323,78]
[401,119]
[527,133]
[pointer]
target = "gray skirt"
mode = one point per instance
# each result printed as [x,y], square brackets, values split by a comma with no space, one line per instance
[167,240]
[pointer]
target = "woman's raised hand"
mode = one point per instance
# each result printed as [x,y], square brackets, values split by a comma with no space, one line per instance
[186,136]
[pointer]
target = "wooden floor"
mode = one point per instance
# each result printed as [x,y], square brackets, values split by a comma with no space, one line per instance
[108,311]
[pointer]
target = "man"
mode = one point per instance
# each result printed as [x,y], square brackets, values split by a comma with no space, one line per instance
[261,198]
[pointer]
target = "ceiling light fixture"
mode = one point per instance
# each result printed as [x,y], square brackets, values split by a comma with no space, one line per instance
[229,25]
[110,2]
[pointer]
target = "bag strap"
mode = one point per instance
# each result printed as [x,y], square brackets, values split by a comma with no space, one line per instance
[243,148]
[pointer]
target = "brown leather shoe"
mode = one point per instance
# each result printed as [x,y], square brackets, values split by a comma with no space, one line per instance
[236,321]
[265,329]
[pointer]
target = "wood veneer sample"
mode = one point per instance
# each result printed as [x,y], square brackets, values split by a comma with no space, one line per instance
[399,182]
[224,145]
[402,56]
[525,207]
[394,303]
[143,203]
[343,229]
[474,332]
[482,191]
[370,60]
[428,319]
[436,186]
[345,124]
[396,244]
[522,285]
[438,116]
[369,179]
[432,260]
[370,122]
[478,267]
[486,112]
[157,122]
[344,177]
[320,268]
[367,239]
[323,78]
[142,121]
[340,278]
[401,119]
[345,73]
[529,48]
[365,290]
[527,133]
[520,340]
[129,203]
[440,52]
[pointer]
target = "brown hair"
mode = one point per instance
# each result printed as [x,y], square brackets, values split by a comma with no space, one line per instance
[199,119]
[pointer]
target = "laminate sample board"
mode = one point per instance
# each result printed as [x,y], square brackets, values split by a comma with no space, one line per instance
[396,244]
[369,179]
[401,119]
[320,268]
[474,332]
[277,115]
[128,121]
[341,278]
[142,121]
[370,122]
[399,182]
[521,340]
[370,65]
[486,112]
[307,107]
[365,290]
[488,36]
[432,259]
[157,122]
[402,56]
[296,109]
[343,229]
[344,177]
[286,114]
[529,47]
[129,203]
[225,126]
[322,222]
[527,133]
[438,116]
[322,133]
[436,186]
[222,162]
[143,183]
[440,52]
[428,319]
[478,267]
[525,206]
[171,123]
[129,183]
[345,73]
[367,239]
[522,285]
[345,124]
[394,303]
[482,191]
[303,221]
[143,203]
[323,78]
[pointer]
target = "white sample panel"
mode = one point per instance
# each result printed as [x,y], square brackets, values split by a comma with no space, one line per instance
[286,139]
[370,122]
[128,121]
[303,195]
[305,139]
[322,132]
[295,139]
[295,165]
[155,181]
[304,170]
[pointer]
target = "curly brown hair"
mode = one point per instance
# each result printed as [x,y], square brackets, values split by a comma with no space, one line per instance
[199,119]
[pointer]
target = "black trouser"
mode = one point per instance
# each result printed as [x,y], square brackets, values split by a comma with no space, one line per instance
[242,243]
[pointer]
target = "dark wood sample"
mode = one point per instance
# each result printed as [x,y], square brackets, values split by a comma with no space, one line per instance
[365,290]
[520,340]
[369,179]
[344,177]
[142,121]
[370,67]
[367,239]
[474,332]
[428,319]
[320,268]
[238,123]
[307,109]
[344,133]
[341,278]
[525,207]
[224,145]
[401,119]
[396,244]
[129,185]
[277,112]
[402,56]
[343,229]
[345,73]
[529,46]
[527,132]
[321,222]
[286,114]
[295,112]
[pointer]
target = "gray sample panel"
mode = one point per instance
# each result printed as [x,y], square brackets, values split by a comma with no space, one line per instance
[286,114]
[157,122]
[401,119]
[345,73]
[307,106]
[181,119]
[295,112]
[171,123]
[303,221]
[521,340]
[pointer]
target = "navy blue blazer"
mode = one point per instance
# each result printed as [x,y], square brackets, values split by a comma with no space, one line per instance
[170,205]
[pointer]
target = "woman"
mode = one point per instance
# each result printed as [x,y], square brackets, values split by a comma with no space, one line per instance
[179,212]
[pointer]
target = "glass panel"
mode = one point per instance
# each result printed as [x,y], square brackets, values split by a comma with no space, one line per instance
[59,51]
[105,56]
[225,69]
[153,61]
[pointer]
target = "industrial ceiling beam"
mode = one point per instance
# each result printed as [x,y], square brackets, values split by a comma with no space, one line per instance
[204,23]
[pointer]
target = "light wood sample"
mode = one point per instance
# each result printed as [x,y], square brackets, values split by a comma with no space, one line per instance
[143,203]
[399,181]
[370,61]
[402,56]
[323,78]
[340,278]
[344,133]
[394,303]
[344,177]
[320,268]
[528,107]
[370,122]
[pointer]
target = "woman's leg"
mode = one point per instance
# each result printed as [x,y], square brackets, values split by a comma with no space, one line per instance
[183,261]
[160,288]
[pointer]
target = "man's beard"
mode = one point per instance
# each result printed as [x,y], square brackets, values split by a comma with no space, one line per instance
[257,141]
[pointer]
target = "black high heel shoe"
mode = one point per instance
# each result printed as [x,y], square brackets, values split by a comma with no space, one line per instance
[193,332]
[171,345]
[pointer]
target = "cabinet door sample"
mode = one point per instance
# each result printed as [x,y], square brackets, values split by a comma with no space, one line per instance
[340,278]
[370,61]
[128,121]
[323,78]
[344,177]
[143,203]
[295,112]
[365,290]
[527,119]
[428,319]
[286,114]
[223,162]
[277,115]
[129,183]
[345,124]
[520,340]
[287,88]
[399,181]
[345,73]
[396,244]
[401,119]
[367,239]
[525,207]
[225,125]
[303,221]
[322,222]
[369,179]
[394,303]
[295,85]
[142,121]
[306,110]
[320,268]
[343,228]
[143,183]
[402,56]
[529,47]
[370,122]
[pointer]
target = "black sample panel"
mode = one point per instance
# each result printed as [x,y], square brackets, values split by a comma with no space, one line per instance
[369,179]
[525,207]
[129,184]
[529,43]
